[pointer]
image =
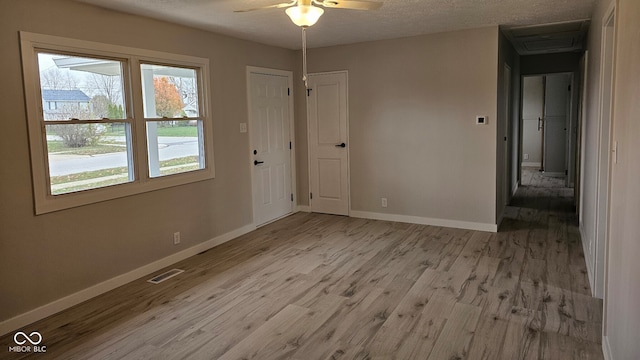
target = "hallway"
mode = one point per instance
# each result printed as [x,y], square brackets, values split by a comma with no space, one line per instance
[554,294]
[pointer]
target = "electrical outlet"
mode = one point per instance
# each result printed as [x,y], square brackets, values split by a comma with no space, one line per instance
[384,202]
[526,156]
[176,238]
[243,127]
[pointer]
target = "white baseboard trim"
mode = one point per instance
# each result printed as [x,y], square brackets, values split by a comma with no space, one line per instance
[587,260]
[303,208]
[108,285]
[606,348]
[425,221]
[531,164]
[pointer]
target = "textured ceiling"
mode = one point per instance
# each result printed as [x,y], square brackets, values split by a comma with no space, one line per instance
[397,18]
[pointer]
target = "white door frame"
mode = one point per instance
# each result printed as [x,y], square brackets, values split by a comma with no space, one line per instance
[346,72]
[601,245]
[289,75]
[506,186]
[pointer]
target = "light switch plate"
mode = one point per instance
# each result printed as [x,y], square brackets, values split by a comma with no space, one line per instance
[243,127]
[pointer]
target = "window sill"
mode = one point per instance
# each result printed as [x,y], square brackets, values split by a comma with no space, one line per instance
[52,203]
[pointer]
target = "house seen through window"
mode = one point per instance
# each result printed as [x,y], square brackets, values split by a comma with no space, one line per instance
[107,121]
[88,131]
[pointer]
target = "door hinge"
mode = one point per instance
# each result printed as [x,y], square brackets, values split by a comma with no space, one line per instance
[291,196]
[566,172]
[309,92]
[569,88]
[288,91]
[289,145]
[310,195]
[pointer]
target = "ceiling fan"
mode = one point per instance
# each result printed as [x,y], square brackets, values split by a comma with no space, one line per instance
[305,13]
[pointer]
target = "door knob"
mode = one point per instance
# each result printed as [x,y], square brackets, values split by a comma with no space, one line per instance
[256,162]
[341,145]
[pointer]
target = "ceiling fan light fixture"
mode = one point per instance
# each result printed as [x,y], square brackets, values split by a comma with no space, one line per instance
[304,15]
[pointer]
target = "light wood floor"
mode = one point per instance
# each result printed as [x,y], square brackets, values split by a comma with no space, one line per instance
[327,287]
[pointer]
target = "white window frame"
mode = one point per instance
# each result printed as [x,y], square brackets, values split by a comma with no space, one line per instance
[32,43]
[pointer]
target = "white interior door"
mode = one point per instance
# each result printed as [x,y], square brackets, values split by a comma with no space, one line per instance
[532,120]
[269,120]
[328,143]
[557,101]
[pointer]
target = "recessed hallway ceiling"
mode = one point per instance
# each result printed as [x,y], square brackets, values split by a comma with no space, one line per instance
[397,18]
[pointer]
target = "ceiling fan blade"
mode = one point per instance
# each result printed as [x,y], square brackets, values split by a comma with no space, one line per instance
[350,4]
[277,6]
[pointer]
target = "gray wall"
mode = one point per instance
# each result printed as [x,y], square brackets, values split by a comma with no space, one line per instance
[413,138]
[46,257]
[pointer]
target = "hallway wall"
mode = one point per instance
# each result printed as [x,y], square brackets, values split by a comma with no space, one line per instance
[622,296]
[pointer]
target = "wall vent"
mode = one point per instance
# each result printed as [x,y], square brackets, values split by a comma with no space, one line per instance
[165,276]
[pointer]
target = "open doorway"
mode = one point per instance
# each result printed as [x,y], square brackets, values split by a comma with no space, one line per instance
[546,118]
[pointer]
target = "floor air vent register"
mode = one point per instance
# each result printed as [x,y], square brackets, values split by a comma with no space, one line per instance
[165,276]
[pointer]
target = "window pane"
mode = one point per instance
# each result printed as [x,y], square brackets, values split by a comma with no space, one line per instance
[170,92]
[87,156]
[175,147]
[80,87]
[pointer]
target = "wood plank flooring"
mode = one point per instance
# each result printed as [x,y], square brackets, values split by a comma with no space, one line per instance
[315,286]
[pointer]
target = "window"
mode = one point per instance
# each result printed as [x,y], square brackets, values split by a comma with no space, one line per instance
[85,107]
[174,136]
[107,121]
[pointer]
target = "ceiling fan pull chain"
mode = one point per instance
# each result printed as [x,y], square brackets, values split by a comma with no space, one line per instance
[304,57]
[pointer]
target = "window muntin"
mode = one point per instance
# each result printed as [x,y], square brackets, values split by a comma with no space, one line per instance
[126,133]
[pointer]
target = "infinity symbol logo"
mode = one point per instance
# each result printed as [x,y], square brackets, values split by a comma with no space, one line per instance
[28,338]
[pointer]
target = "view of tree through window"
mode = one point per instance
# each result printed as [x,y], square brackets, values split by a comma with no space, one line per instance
[174,129]
[88,134]
[106,120]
